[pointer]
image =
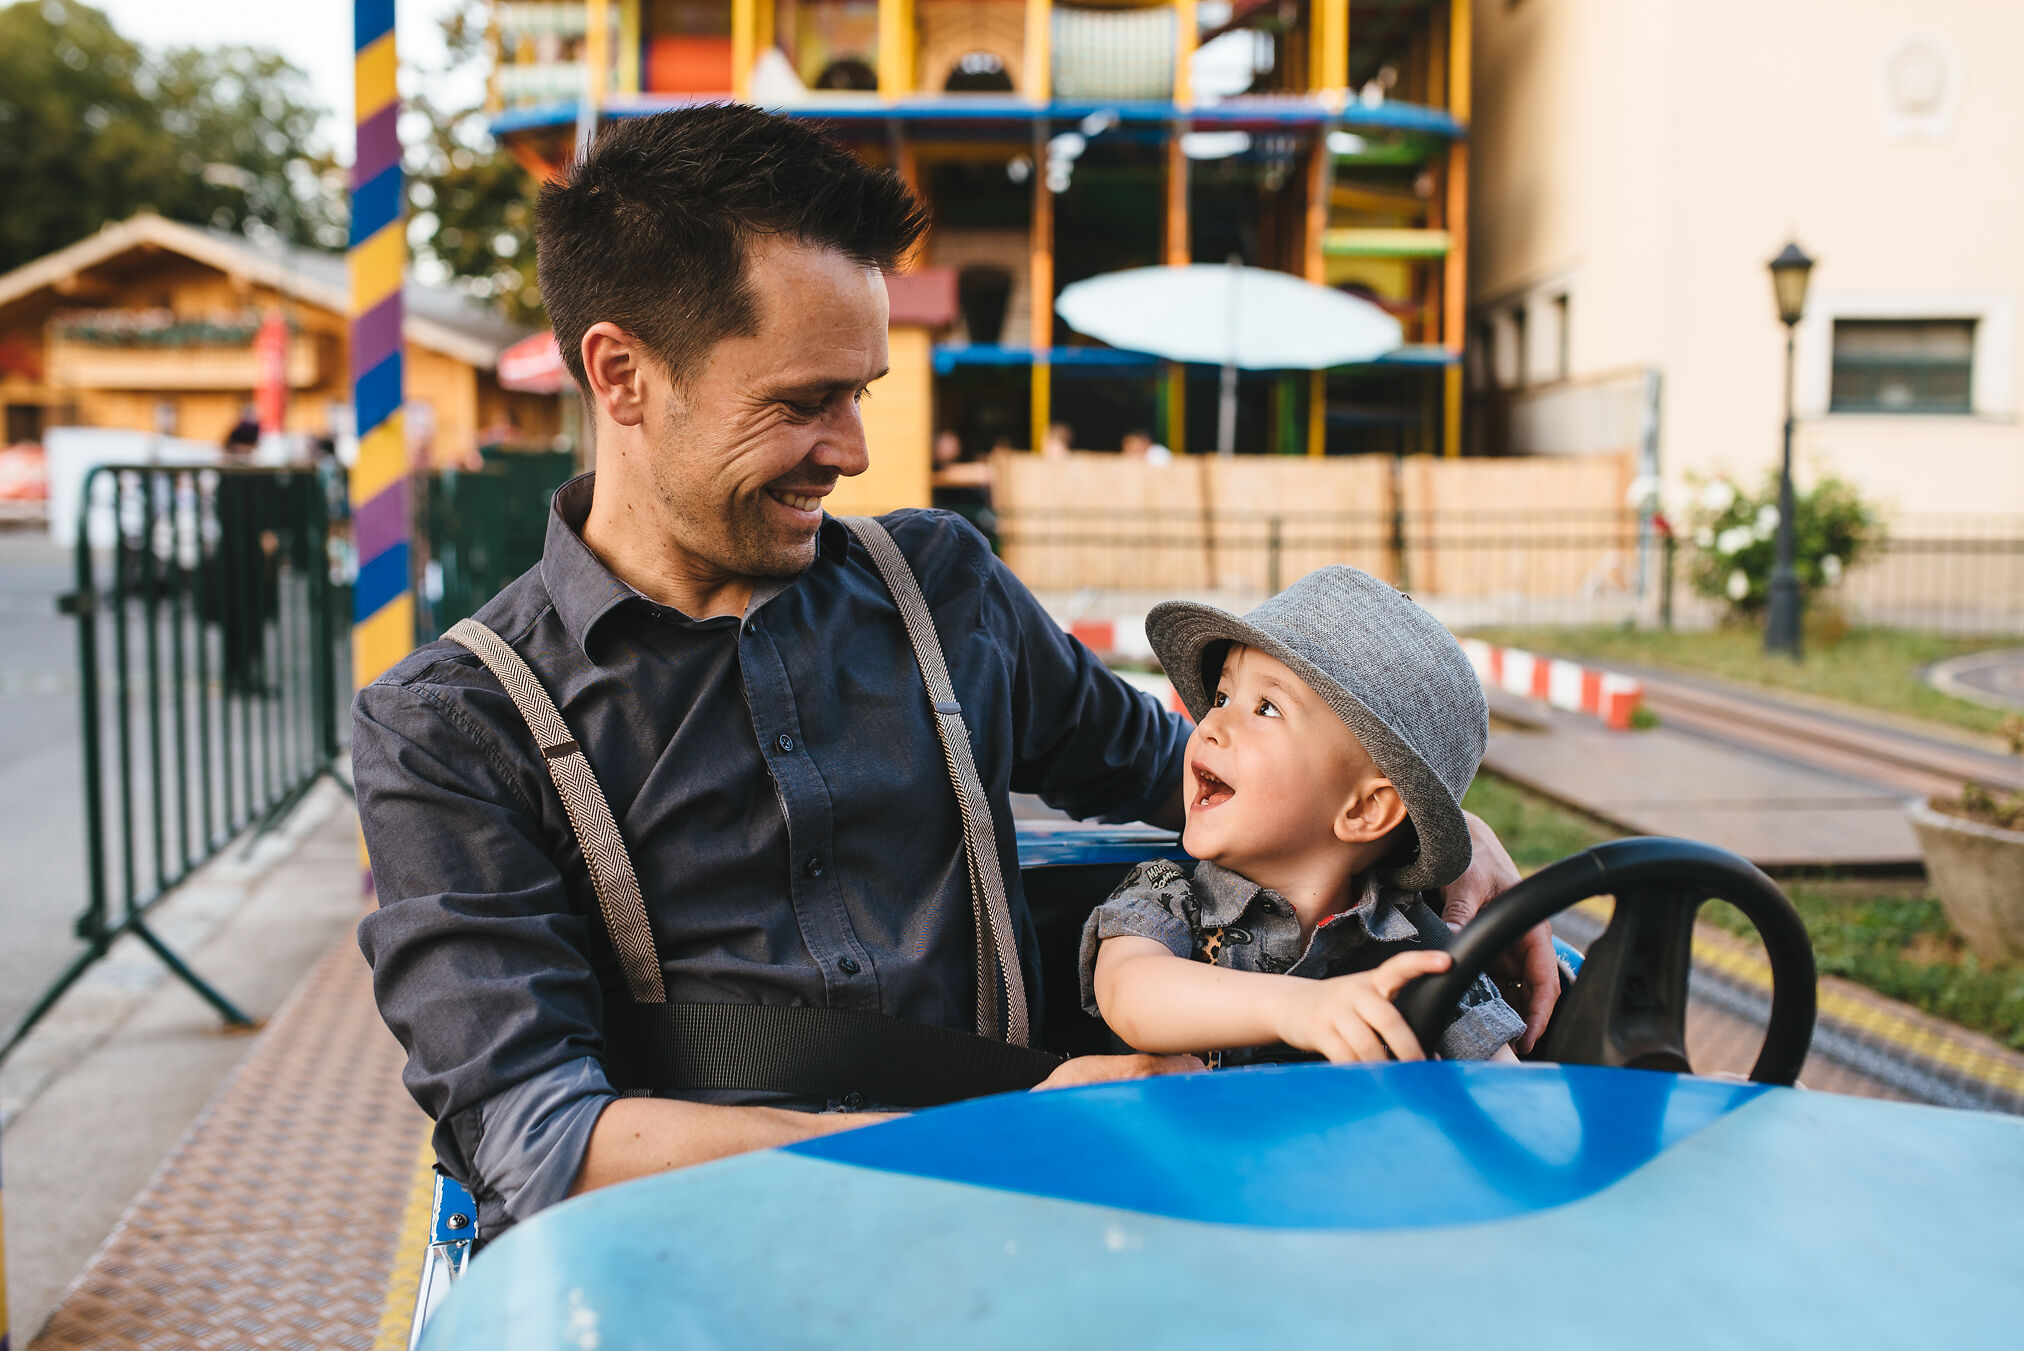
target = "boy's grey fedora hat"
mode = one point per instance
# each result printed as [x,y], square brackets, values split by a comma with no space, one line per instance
[1388,669]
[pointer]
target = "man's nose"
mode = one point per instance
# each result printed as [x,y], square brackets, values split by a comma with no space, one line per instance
[843,446]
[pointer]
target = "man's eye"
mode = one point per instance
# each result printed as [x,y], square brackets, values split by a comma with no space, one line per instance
[803,412]
[1266,709]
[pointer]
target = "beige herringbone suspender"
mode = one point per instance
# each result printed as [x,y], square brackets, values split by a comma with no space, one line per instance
[611,869]
[997,945]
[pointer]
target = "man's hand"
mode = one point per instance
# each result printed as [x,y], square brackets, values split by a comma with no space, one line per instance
[1530,962]
[1102,1069]
[1352,1018]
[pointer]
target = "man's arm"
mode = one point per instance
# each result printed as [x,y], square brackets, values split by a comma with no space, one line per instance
[482,967]
[637,1137]
[1530,963]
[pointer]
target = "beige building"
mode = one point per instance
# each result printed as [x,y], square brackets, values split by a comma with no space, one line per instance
[1637,162]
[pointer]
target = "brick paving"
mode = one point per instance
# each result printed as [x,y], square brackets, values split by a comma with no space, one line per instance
[274,1224]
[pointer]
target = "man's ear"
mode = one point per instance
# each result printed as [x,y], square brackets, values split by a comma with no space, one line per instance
[617,369]
[1371,813]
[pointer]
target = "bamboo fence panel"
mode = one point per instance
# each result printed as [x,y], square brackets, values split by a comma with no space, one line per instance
[1089,519]
[1323,511]
[1531,526]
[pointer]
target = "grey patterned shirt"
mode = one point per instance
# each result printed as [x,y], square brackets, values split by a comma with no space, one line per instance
[1261,932]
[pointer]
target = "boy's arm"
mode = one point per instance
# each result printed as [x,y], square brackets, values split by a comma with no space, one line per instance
[1159,1002]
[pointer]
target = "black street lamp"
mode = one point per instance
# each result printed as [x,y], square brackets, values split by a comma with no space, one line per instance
[1789,273]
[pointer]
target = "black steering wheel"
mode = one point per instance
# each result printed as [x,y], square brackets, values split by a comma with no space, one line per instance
[1629,1006]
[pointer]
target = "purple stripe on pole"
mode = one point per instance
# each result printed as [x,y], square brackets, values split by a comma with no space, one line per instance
[382,523]
[379,145]
[375,335]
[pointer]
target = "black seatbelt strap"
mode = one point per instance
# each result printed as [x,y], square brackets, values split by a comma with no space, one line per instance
[810,1052]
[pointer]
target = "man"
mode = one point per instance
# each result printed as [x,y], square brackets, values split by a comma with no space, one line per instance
[737,675]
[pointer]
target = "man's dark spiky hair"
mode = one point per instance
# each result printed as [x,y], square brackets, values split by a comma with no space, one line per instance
[649,230]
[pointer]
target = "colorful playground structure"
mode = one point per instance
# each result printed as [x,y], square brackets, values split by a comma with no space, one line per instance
[1056,142]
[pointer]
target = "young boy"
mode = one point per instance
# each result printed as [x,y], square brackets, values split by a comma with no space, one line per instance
[1337,727]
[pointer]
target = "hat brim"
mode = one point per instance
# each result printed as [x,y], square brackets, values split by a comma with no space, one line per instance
[1181,632]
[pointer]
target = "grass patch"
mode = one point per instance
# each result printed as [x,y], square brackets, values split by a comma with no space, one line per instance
[1900,946]
[1871,668]
[1536,831]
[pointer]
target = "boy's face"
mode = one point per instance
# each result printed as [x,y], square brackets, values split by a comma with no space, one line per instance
[1269,769]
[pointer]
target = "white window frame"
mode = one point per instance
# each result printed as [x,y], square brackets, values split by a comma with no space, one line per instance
[1992,378]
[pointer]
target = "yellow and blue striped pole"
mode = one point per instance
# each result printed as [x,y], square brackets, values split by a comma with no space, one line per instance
[383,606]
[3,1278]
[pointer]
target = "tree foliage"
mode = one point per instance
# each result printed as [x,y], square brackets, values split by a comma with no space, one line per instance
[93,129]
[472,221]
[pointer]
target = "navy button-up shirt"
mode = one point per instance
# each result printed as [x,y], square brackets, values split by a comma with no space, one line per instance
[779,784]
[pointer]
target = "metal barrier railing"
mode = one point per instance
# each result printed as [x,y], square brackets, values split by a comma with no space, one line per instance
[208,640]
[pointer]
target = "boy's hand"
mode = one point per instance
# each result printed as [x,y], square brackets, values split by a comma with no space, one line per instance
[1348,1018]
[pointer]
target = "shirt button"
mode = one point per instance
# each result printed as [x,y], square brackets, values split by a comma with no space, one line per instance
[848,966]
[785,743]
[814,865]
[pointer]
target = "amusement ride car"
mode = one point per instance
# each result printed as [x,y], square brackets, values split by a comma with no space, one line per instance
[1601,1196]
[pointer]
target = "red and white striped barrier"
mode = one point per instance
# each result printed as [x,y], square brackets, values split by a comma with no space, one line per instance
[1563,684]
[1119,638]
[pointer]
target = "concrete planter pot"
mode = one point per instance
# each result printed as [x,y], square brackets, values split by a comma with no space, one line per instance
[1978,872]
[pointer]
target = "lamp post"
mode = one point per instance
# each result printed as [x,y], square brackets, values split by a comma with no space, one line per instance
[1789,273]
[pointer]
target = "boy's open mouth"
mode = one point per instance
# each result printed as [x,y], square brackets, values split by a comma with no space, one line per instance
[1210,791]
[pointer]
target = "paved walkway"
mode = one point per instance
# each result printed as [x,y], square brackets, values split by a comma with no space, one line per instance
[1773,810]
[1992,678]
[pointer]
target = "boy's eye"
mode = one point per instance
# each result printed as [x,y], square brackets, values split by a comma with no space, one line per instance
[1266,709]
[1221,700]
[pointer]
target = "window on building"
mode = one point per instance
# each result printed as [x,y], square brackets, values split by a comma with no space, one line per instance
[24,423]
[1481,355]
[1902,365]
[1563,347]
[1521,362]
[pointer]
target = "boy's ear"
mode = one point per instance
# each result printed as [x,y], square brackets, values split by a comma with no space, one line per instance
[1374,812]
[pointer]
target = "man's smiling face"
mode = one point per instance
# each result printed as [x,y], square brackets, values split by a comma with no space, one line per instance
[748,446]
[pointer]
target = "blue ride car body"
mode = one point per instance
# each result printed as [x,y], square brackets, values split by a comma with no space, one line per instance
[1307,1205]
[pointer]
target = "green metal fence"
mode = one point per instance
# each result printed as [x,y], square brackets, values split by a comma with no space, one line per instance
[210,637]
[481,529]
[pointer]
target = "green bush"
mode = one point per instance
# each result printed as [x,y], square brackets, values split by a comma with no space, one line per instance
[1736,539]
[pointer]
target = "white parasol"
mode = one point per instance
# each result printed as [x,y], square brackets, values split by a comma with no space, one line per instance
[1231,316]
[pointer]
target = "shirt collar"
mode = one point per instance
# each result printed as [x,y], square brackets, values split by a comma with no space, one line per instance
[584,590]
[1222,894]
[1378,913]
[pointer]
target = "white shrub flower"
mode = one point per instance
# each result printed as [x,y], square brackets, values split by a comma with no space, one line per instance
[1830,569]
[1705,537]
[1735,539]
[1718,496]
[1767,521]
[1739,585]
[1643,492]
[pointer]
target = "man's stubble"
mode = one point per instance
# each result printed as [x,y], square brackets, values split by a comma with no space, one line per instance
[731,535]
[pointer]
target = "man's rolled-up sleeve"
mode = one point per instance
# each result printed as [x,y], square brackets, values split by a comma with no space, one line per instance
[480,963]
